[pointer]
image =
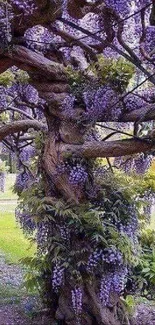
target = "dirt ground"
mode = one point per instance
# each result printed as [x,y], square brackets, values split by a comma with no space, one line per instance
[13,315]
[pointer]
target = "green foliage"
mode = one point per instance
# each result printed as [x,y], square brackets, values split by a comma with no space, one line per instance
[30,199]
[115,72]
[35,267]
[148,238]
[105,71]
[22,76]
[148,263]
[3,167]
[4,117]
[39,140]
[129,303]
[78,81]
[92,227]
[144,272]
[6,78]
[75,77]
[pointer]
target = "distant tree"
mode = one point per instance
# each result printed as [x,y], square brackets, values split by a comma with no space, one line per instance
[67,67]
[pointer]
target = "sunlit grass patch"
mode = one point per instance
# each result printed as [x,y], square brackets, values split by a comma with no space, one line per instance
[12,241]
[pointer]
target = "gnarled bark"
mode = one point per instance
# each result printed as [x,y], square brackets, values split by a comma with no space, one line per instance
[22,125]
[116,148]
[37,63]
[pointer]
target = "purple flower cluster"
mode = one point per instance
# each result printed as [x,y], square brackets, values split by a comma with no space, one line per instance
[142,163]
[119,280]
[4,150]
[139,164]
[39,112]
[77,301]
[149,198]
[64,233]
[130,228]
[38,38]
[2,181]
[30,94]
[27,153]
[94,259]
[58,276]
[41,236]
[63,168]
[22,181]
[133,102]
[105,287]
[101,104]
[112,281]
[26,6]
[78,175]
[112,256]
[142,3]
[149,39]
[6,17]
[3,100]
[126,165]
[24,92]
[26,221]
[68,105]
[122,7]
[108,255]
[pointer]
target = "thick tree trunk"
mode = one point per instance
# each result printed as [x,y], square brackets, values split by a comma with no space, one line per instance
[94,313]
[63,133]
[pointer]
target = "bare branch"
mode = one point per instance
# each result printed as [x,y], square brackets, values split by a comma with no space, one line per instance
[74,40]
[18,126]
[14,109]
[148,114]
[5,63]
[122,42]
[43,65]
[117,148]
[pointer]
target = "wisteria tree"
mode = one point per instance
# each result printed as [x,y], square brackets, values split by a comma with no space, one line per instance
[67,67]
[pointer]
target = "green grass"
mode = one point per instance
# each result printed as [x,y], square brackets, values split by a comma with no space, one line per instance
[13,243]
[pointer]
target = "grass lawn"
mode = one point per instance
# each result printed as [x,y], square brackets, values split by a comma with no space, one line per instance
[12,241]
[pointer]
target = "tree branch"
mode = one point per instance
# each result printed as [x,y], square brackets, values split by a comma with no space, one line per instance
[101,149]
[112,46]
[18,126]
[5,63]
[45,12]
[14,109]
[146,114]
[43,65]
[72,40]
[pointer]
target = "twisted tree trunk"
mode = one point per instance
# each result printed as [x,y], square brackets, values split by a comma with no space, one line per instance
[63,134]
